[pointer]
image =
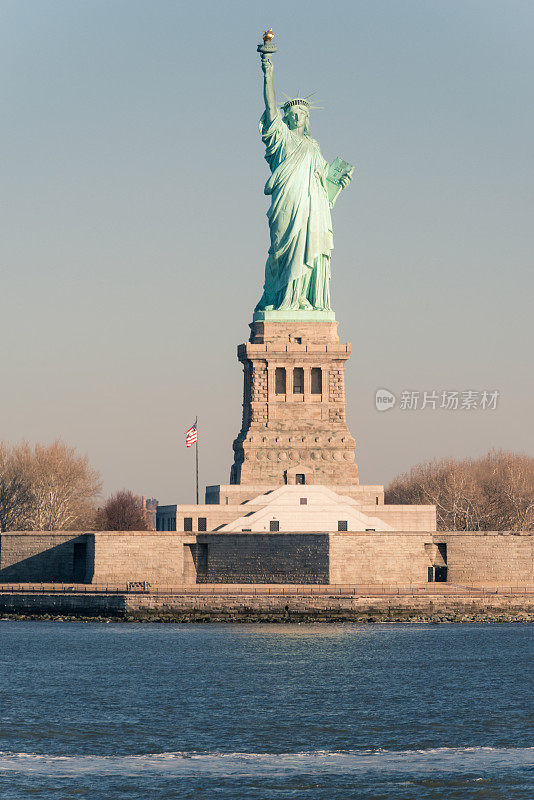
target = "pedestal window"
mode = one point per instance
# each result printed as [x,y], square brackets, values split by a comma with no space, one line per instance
[280,380]
[298,380]
[316,380]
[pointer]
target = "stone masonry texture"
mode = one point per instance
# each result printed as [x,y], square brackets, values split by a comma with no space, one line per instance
[279,606]
[293,428]
[34,557]
[265,558]
[176,559]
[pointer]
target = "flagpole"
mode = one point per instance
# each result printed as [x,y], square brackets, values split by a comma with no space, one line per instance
[196,457]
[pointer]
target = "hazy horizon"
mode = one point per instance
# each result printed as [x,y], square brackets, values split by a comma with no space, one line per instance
[134,234]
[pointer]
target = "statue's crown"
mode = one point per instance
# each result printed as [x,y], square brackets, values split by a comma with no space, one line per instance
[297,101]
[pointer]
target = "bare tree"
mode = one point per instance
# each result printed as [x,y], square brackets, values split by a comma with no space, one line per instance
[495,492]
[507,484]
[123,511]
[60,488]
[15,492]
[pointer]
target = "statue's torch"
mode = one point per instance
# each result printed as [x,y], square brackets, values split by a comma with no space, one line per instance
[267,48]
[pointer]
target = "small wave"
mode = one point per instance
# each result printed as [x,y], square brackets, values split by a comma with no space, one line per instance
[462,760]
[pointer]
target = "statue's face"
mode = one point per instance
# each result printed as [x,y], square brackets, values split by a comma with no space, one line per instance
[296,117]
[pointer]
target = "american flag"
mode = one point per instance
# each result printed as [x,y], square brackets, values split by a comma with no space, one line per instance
[191,435]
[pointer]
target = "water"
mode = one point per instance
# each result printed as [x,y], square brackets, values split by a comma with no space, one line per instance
[404,712]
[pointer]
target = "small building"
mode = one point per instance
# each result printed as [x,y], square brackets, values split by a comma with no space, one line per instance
[238,508]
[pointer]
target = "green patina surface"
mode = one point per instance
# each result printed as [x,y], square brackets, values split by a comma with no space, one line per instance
[303,188]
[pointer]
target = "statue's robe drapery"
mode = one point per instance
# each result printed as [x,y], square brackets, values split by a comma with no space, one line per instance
[298,266]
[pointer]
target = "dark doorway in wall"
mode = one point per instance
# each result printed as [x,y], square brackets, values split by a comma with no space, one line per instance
[300,479]
[274,525]
[79,562]
[202,560]
[431,574]
[440,574]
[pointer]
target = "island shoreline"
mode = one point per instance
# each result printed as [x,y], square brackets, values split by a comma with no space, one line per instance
[237,606]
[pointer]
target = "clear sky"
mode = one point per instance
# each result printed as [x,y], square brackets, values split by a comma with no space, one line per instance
[133,233]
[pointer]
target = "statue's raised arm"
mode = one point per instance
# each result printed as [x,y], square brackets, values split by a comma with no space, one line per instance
[266,50]
[268,88]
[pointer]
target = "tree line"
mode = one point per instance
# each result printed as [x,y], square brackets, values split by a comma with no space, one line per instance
[53,488]
[491,493]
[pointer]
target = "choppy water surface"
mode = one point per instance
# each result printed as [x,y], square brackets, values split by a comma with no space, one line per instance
[267,711]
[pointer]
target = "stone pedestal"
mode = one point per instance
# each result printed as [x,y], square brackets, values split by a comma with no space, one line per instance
[294,427]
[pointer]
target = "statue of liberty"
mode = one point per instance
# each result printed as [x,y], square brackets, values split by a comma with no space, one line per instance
[303,188]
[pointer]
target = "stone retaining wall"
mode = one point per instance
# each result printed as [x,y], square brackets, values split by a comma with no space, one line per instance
[489,557]
[239,607]
[174,559]
[35,556]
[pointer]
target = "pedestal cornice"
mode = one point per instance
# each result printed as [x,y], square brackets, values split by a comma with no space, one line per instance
[294,316]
